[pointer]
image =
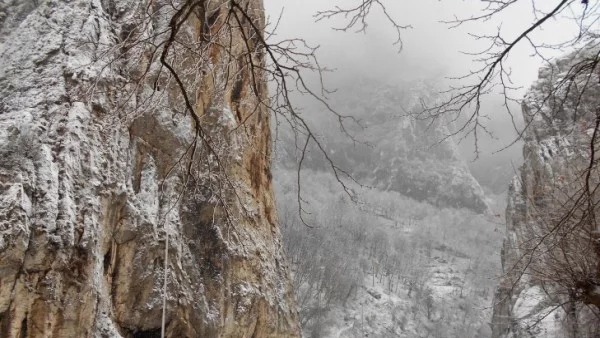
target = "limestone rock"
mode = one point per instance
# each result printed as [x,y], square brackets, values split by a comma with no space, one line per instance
[100,158]
[557,143]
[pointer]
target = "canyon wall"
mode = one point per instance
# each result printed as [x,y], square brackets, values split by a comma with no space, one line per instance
[548,263]
[122,122]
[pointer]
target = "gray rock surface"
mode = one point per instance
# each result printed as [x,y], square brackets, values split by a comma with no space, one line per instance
[556,148]
[96,167]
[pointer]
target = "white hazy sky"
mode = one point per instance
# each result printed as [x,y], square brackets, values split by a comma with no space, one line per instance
[431,49]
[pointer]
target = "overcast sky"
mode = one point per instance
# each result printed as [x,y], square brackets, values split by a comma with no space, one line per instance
[432,50]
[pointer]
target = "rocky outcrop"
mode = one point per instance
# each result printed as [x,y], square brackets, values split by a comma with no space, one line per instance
[101,159]
[394,151]
[557,149]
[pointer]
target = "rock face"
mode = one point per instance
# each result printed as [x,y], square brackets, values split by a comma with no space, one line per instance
[557,147]
[101,158]
[397,152]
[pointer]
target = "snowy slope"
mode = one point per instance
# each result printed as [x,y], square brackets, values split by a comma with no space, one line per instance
[393,151]
[389,266]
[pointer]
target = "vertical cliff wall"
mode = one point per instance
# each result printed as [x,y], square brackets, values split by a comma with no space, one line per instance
[101,157]
[548,255]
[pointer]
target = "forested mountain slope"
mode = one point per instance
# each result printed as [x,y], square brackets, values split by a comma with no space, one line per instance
[416,253]
[389,148]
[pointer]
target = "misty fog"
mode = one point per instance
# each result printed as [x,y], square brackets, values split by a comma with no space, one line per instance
[432,51]
[414,249]
[300,168]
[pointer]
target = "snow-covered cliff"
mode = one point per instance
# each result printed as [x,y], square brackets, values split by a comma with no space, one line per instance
[394,151]
[101,158]
[544,261]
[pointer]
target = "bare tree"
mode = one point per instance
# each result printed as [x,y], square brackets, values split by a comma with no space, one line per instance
[168,51]
[206,64]
[560,249]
